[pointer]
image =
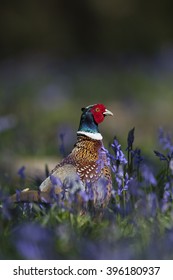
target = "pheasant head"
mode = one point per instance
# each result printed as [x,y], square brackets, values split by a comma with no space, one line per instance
[91,117]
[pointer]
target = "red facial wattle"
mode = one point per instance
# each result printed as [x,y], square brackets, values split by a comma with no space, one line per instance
[97,112]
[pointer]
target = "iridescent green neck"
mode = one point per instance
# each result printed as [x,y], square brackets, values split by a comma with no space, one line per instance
[87,123]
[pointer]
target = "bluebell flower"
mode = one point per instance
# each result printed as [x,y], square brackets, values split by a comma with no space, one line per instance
[87,194]
[84,195]
[21,172]
[133,187]
[107,153]
[18,192]
[33,242]
[168,192]
[89,190]
[55,181]
[161,156]
[122,181]
[119,155]
[165,140]
[152,204]
[127,181]
[167,197]
[130,139]
[147,175]
[137,157]
[101,155]
[111,249]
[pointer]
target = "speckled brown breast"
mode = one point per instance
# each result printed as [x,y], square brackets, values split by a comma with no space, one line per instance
[89,159]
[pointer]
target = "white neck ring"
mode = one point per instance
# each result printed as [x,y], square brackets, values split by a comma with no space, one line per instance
[95,136]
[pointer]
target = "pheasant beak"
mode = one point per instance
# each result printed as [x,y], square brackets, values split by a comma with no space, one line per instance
[107,113]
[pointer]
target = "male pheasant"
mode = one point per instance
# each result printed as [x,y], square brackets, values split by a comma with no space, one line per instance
[85,170]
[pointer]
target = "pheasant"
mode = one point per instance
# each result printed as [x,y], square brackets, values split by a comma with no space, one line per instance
[85,170]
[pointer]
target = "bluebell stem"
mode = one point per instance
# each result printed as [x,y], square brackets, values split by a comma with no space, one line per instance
[136,160]
[130,140]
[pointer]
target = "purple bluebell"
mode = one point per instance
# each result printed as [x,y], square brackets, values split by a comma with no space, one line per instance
[160,156]
[21,172]
[55,181]
[165,140]
[123,182]
[18,192]
[84,195]
[127,181]
[130,139]
[133,187]
[103,153]
[137,157]
[148,175]
[167,197]
[152,204]
[119,155]
[32,241]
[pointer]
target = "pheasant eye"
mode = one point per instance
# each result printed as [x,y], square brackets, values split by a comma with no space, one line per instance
[97,109]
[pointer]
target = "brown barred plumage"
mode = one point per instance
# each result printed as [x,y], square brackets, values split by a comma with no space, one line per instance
[88,162]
